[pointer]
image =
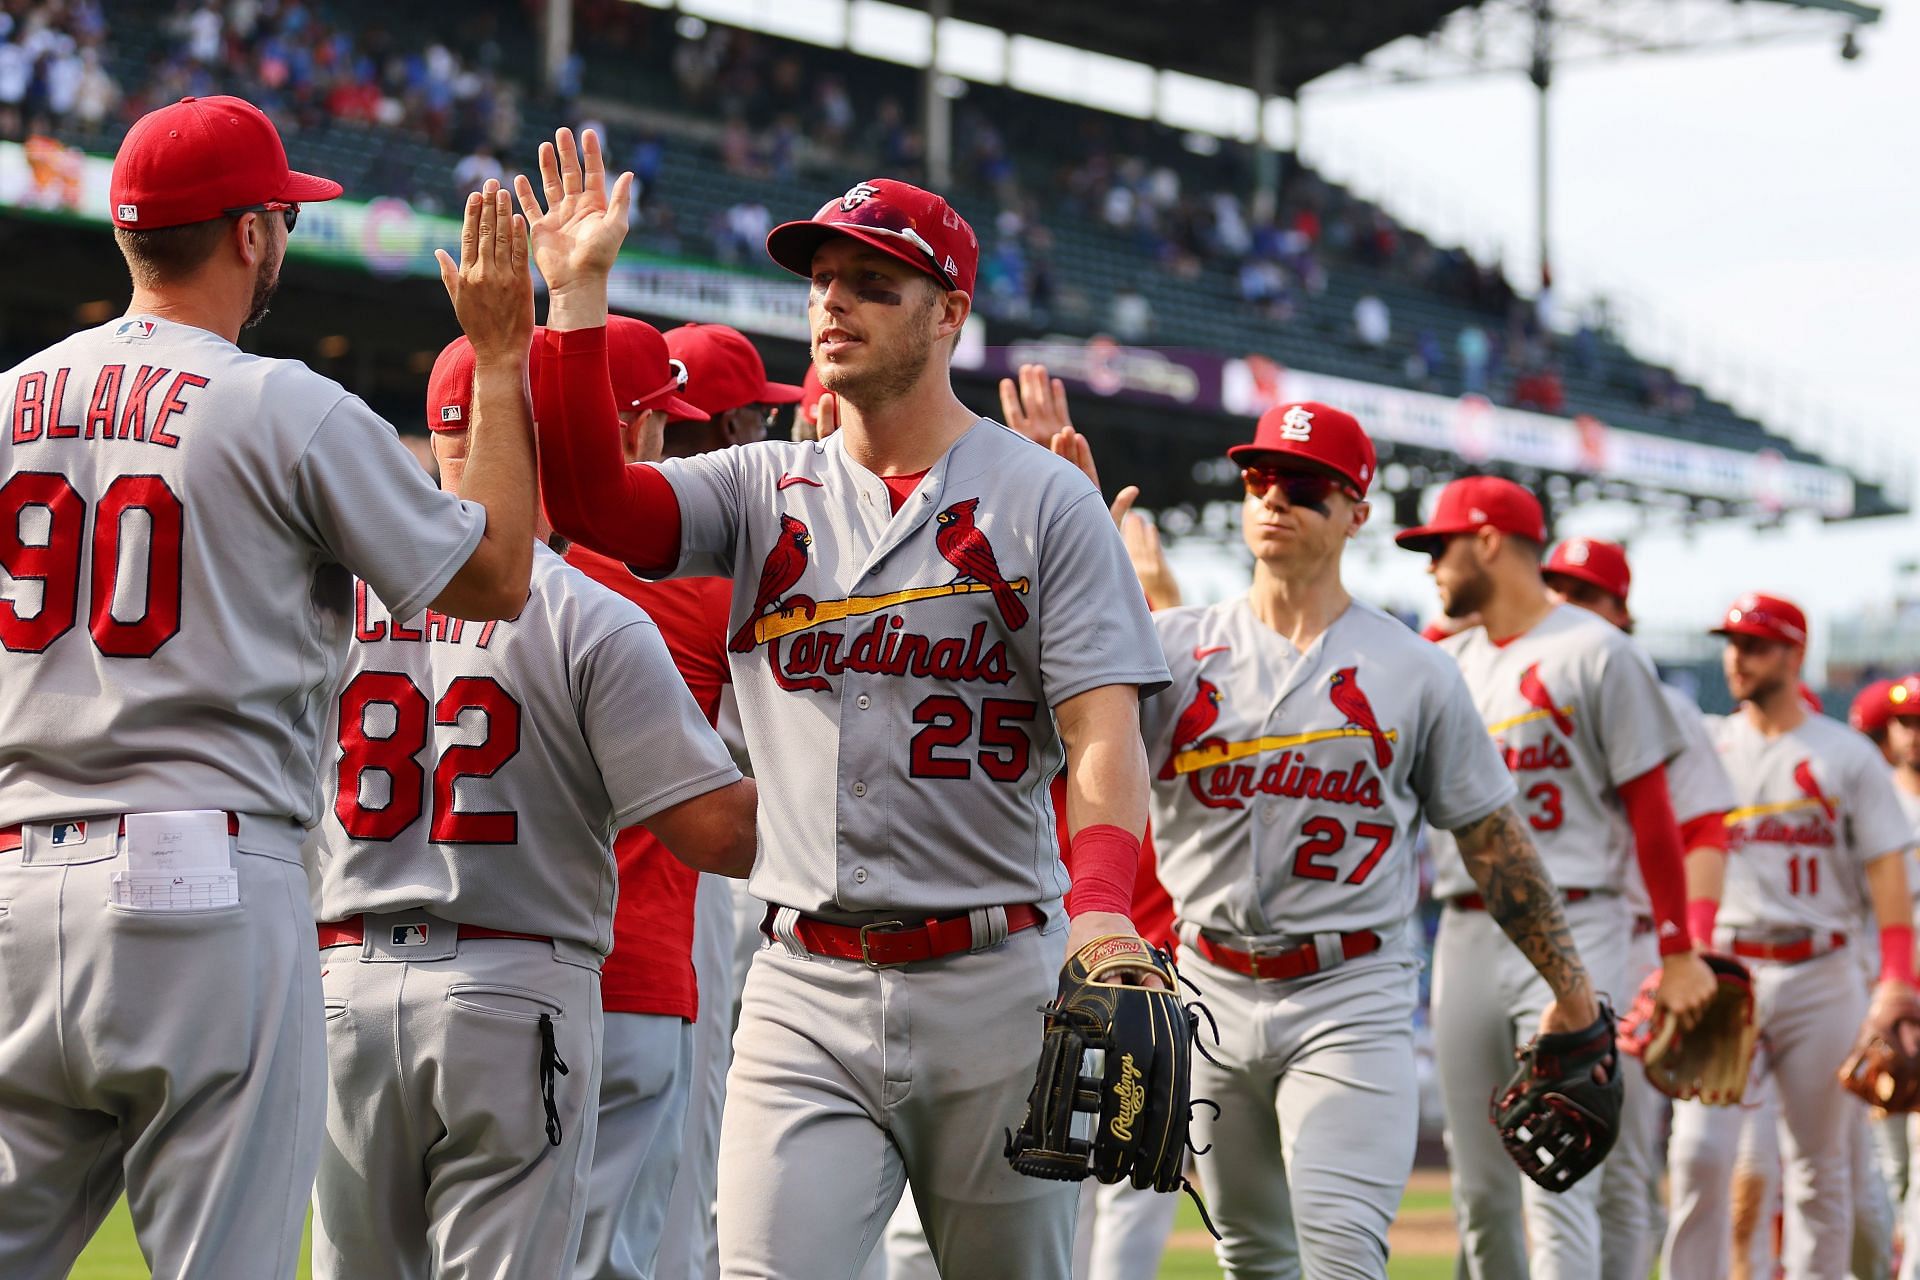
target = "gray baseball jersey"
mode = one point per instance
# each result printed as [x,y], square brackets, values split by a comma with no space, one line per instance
[1696,782]
[1575,708]
[1289,787]
[179,527]
[1813,807]
[481,769]
[896,671]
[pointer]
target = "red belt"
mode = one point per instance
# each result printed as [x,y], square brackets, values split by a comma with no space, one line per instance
[886,943]
[353,931]
[1786,952]
[1474,902]
[1294,962]
[10,836]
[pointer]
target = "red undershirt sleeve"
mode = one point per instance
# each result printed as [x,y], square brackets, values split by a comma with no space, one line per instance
[1103,861]
[592,496]
[1656,843]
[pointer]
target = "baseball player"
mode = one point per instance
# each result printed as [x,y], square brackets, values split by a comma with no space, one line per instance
[1576,711]
[895,588]
[678,926]
[1902,748]
[465,881]
[180,522]
[1595,575]
[1304,737]
[1815,819]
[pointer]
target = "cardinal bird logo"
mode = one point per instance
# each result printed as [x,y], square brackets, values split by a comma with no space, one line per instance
[1534,690]
[785,563]
[1192,726]
[1810,787]
[967,549]
[1351,701]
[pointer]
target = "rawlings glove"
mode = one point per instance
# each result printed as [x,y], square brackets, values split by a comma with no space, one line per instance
[1135,1100]
[1708,1064]
[1560,1112]
[1884,1068]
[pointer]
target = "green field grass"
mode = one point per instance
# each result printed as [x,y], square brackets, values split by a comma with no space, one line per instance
[113,1255]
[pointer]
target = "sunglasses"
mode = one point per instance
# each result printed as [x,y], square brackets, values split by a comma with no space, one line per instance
[1299,488]
[292,211]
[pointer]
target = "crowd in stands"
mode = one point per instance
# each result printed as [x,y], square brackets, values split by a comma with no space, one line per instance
[776,114]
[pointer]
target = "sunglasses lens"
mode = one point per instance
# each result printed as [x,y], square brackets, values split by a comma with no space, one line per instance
[1299,488]
[293,216]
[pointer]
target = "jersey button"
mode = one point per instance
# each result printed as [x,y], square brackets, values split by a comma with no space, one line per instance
[863,702]
[859,788]
[859,875]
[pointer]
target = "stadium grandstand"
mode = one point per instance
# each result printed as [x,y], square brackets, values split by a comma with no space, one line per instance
[1180,278]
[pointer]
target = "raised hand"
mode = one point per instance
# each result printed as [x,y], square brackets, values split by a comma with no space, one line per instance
[1035,406]
[491,290]
[1142,537]
[578,231]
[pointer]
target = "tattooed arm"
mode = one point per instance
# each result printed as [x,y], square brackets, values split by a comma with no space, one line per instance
[1522,898]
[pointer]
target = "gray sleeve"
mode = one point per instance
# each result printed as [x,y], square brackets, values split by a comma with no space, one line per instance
[653,745]
[1094,626]
[1636,726]
[1457,771]
[1159,710]
[707,487]
[368,503]
[1876,824]
[1696,780]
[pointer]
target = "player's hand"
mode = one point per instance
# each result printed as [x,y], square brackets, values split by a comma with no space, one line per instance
[1035,406]
[826,415]
[1687,986]
[578,232]
[491,290]
[1890,1000]
[1574,1011]
[1142,537]
[1088,925]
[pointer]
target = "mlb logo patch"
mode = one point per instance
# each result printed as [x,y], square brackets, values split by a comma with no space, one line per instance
[141,328]
[409,935]
[128,212]
[450,413]
[67,834]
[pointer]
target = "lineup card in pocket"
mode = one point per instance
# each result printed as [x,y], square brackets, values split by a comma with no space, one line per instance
[177,862]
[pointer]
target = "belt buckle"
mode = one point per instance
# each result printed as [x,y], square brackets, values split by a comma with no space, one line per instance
[1258,955]
[866,948]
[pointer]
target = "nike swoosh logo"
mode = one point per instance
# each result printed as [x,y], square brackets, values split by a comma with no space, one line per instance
[1201,652]
[789,479]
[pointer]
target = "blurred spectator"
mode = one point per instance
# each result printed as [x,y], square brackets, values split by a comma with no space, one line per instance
[1130,315]
[1422,365]
[472,173]
[1472,348]
[98,93]
[1372,323]
[1540,389]
[742,234]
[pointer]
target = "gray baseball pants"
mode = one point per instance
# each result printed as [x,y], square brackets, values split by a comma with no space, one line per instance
[645,1064]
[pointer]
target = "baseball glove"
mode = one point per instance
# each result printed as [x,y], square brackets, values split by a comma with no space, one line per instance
[1124,1115]
[1560,1112]
[1708,1064]
[1884,1068]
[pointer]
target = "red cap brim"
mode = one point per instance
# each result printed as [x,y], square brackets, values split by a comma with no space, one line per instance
[793,244]
[307,188]
[676,408]
[781,393]
[1426,538]
[1580,573]
[1754,630]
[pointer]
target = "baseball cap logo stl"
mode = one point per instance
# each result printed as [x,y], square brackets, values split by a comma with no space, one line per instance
[858,194]
[1297,424]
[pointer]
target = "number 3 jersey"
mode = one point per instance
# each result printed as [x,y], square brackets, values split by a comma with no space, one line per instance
[1288,787]
[1575,709]
[180,523]
[896,670]
[480,770]
[1812,807]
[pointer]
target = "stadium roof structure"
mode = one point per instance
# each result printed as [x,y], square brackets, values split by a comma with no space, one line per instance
[1276,47]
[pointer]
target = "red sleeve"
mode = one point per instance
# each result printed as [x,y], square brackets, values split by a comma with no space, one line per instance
[592,496]
[1708,831]
[1656,841]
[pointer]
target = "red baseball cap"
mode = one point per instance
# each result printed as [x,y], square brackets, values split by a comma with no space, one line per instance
[1315,433]
[1593,561]
[724,372]
[1472,503]
[1765,618]
[1812,699]
[645,375]
[450,384]
[1873,707]
[202,158]
[1903,697]
[918,227]
[810,393]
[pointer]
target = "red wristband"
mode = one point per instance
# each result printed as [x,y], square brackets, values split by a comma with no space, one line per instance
[1103,860]
[1700,916]
[1896,953]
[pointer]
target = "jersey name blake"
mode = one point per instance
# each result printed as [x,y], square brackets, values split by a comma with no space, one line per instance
[116,408]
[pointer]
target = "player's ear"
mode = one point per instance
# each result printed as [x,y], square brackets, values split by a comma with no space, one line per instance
[1362,511]
[954,307]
